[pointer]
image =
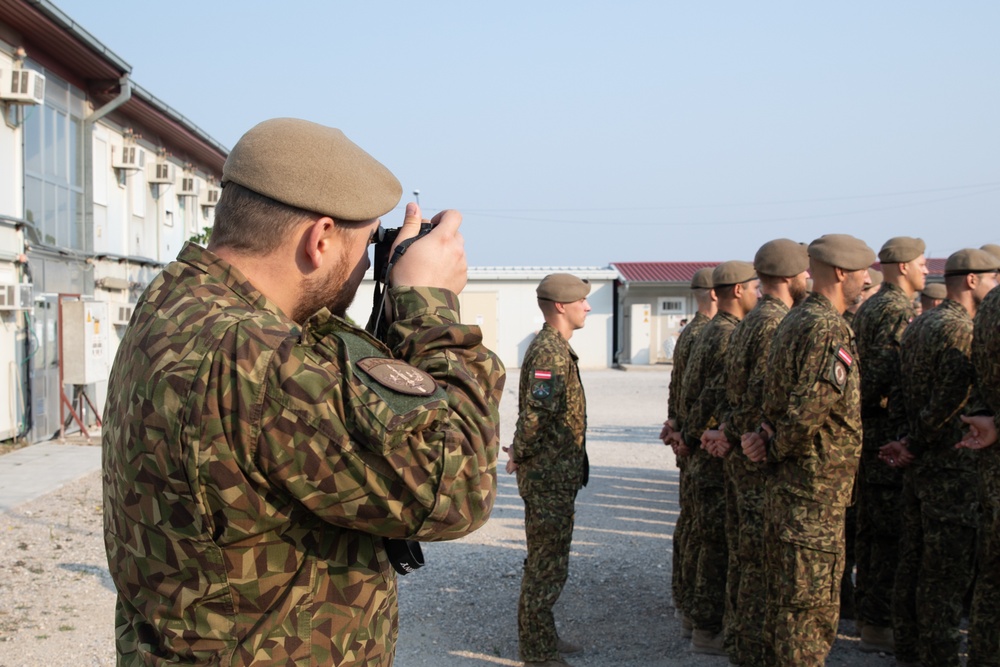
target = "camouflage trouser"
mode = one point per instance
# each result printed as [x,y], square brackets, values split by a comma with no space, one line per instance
[746,583]
[548,528]
[805,560]
[708,541]
[877,539]
[682,530]
[847,581]
[984,626]
[936,560]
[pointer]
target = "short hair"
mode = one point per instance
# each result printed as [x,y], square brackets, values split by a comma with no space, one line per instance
[726,291]
[769,280]
[249,222]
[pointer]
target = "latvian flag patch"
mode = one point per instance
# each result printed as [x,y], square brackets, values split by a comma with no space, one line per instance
[845,356]
[543,375]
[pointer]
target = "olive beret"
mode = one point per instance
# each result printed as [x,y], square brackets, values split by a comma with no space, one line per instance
[312,167]
[900,249]
[732,272]
[842,251]
[562,288]
[934,291]
[702,279]
[992,248]
[970,260]
[782,258]
[876,277]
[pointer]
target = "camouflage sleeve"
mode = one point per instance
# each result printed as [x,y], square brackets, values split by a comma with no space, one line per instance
[881,374]
[710,397]
[805,391]
[365,457]
[950,392]
[543,401]
[986,358]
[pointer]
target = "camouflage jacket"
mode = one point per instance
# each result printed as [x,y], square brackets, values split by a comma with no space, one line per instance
[705,394]
[986,360]
[936,365]
[682,354]
[253,466]
[812,400]
[746,368]
[879,326]
[550,438]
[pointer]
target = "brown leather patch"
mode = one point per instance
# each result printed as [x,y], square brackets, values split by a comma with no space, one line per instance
[398,376]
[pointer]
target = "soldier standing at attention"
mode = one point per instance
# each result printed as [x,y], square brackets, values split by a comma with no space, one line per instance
[782,267]
[812,436]
[549,456]
[870,290]
[932,295]
[940,501]
[704,397]
[879,326]
[704,296]
[258,448]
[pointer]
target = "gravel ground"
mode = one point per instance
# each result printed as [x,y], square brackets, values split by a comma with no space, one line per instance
[460,610]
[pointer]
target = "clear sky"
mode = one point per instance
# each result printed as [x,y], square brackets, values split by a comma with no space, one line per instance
[580,133]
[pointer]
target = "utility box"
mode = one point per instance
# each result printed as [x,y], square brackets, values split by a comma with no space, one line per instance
[86,342]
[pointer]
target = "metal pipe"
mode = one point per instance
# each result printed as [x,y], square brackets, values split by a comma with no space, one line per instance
[124,95]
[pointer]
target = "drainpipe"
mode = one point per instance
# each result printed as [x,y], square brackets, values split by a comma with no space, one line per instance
[621,323]
[123,96]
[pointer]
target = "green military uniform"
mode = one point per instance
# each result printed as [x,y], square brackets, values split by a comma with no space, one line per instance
[550,452]
[879,326]
[940,498]
[746,371]
[252,468]
[704,400]
[984,624]
[682,530]
[812,400]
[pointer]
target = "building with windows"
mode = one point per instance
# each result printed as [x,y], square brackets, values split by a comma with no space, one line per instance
[101,183]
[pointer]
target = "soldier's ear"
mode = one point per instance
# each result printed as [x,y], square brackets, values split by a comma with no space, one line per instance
[317,240]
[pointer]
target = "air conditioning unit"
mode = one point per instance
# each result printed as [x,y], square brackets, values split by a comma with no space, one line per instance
[131,157]
[211,196]
[23,86]
[15,297]
[121,313]
[188,187]
[162,173]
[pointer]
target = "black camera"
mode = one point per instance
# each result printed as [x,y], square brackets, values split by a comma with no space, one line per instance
[383,263]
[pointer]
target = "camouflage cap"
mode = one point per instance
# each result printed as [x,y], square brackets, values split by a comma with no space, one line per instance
[782,258]
[732,272]
[992,248]
[876,277]
[562,288]
[702,278]
[842,251]
[970,260]
[312,167]
[901,249]
[934,291]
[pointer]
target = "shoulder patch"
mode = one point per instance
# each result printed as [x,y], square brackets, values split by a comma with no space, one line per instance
[541,390]
[845,356]
[398,376]
[543,375]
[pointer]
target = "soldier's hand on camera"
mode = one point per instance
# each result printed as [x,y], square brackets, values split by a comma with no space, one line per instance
[436,260]
[981,434]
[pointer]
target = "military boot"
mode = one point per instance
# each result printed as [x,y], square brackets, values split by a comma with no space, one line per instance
[707,642]
[686,627]
[877,639]
[564,646]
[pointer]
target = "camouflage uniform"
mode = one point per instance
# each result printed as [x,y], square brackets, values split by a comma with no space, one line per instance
[984,623]
[940,498]
[850,531]
[704,399]
[812,400]
[879,326]
[682,530]
[746,587]
[550,452]
[253,466]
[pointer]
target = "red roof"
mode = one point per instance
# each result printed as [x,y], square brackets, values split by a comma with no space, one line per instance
[660,272]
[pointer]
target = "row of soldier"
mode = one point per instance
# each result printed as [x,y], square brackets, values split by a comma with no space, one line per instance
[774,382]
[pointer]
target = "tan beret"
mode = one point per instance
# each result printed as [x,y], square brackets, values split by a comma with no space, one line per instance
[970,260]
[562,288]
[992,248]
[312,167]
[934,291]
[702,278]
[900,249]
[842,251]
[876,277]
[732,272]
[781,258]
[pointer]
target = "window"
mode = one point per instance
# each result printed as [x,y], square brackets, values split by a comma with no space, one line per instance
[672,306]
[53,166]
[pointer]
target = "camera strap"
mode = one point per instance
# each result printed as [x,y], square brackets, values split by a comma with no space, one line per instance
[382,282]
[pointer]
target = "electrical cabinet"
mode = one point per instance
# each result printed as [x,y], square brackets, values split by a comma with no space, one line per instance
[86,343]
